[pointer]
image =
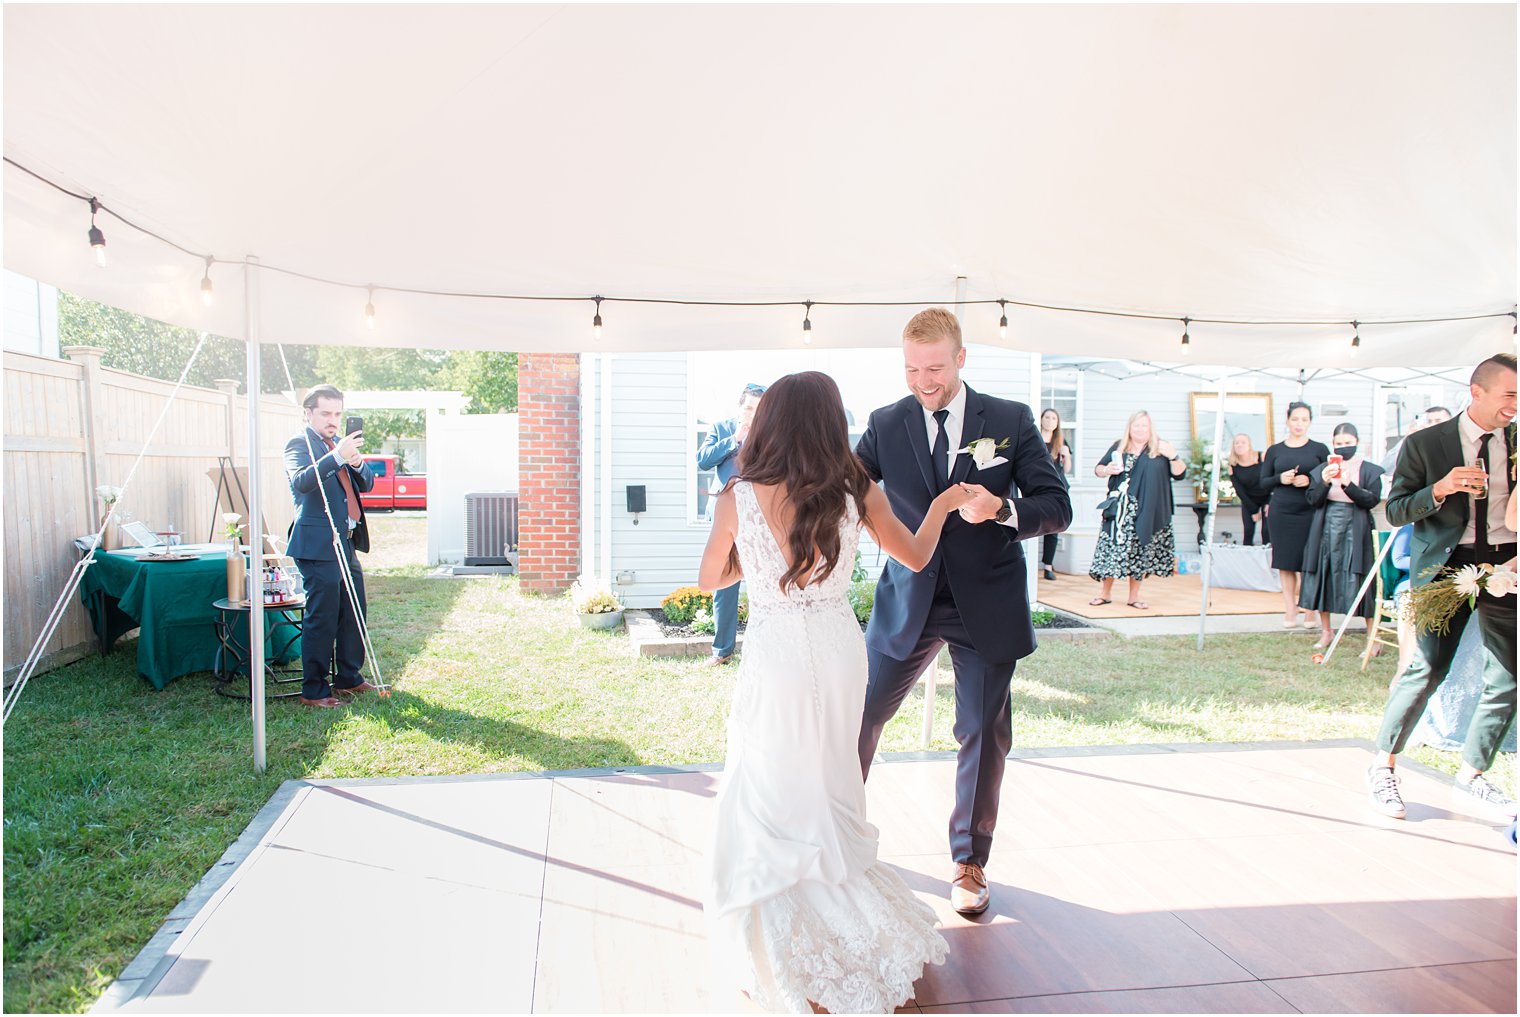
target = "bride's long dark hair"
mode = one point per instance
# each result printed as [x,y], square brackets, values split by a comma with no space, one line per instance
[800,439]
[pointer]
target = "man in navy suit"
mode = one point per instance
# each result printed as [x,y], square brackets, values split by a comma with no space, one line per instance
[720,453]
[326,476]
[972,594]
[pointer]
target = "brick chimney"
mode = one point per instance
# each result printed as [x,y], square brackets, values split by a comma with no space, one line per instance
[549,470]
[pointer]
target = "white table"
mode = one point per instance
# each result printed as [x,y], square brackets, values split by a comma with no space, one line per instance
[1243,568]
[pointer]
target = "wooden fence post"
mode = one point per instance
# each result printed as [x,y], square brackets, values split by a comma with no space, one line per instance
[92,402]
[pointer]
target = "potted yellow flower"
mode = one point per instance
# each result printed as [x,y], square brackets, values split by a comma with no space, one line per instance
[595,604]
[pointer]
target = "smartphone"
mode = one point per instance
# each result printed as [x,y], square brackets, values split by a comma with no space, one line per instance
[1335,460]
[353,424]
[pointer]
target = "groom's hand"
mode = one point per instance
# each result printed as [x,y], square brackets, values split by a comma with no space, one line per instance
[981,506]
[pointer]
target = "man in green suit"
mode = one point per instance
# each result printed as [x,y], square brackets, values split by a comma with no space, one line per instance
[1453,482]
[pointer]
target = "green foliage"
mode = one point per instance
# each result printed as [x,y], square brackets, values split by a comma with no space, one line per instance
[158,350]
[862,597]
[682,605]
[355,368]
[703,622]
[858,573]
[1200,462]
[487,377]
[1042,617]
[380,425]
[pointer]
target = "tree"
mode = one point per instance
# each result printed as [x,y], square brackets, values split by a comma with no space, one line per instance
[158,350]
[361,368]
[487,377]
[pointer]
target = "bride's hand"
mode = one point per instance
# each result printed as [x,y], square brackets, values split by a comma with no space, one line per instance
[952,498]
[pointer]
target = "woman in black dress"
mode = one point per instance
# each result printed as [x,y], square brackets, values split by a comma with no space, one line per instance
[1285,473]
[1339,551]
[1245,474]
[1060,454]
[1138,540]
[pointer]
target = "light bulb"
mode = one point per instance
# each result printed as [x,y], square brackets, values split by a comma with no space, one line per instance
[206,285]
[807,323]
[596,321]
[1186,340]
[1356,338]
[1003,321]
[369,310]
[98,243]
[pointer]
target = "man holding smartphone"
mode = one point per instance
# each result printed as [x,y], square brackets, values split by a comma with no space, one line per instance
[327,476]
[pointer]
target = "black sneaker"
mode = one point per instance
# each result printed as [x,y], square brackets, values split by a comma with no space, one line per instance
[1383,791]
[1484,796]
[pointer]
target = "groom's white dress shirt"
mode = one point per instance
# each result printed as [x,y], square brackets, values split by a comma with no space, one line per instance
[953,426]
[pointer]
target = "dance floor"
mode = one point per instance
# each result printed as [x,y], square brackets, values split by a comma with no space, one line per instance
[1173,595]
[1145,879]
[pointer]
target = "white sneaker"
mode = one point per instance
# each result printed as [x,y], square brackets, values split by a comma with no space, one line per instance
[1383,791]
[1479,794]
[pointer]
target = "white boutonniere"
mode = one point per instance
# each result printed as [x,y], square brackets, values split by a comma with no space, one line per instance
[984,452]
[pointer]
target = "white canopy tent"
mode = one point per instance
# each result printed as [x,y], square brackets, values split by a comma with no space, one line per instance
[1302,164]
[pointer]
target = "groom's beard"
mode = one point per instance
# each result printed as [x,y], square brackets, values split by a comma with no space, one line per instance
[941,397]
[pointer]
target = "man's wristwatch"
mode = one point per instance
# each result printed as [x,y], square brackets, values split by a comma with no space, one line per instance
[1004,513]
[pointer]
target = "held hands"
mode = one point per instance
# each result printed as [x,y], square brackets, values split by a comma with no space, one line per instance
[1288,477]
[979,504]
[1461,480]
[347,449]
[952,498]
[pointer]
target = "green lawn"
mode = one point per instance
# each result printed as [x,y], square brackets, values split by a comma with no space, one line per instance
[118,798]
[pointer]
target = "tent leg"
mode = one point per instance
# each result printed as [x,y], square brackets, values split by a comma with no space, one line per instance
[1208,531]
[255,522]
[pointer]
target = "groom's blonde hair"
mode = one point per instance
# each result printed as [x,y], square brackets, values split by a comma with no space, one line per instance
[932,325]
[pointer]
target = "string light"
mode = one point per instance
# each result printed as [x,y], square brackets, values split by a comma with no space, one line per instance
[206,282]
[807,323]
[97,238]
[1186,341]
[596,320]
[369,309]
[98,241]
[1003,321]
[1356,337]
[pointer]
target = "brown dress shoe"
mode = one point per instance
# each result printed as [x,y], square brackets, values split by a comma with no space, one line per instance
[712,661]
[327,703]
[968,890]
[353,690]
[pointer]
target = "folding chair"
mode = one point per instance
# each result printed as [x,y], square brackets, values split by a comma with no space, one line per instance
[1383,626]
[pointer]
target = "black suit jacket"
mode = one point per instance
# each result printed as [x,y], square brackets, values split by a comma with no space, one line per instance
[984,562]
[317,491]
[1427,457]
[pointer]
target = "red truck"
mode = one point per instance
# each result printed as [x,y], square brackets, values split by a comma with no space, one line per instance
[393,489]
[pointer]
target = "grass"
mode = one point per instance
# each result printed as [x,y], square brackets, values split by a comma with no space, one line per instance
[119,798]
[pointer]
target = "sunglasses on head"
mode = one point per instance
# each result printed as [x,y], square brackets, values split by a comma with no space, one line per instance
[753,389]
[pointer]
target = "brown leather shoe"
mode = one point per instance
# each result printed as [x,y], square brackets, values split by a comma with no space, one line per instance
[353,690]
[968,890]
[712,661]
[328,703]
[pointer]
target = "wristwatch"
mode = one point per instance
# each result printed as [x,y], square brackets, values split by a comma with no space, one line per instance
[1004,513]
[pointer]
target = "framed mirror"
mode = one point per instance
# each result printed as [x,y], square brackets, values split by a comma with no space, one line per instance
[1248,412]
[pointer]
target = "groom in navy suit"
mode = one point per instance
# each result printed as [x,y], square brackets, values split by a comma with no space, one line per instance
[972,594]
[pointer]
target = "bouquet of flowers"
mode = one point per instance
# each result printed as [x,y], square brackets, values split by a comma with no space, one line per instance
[1433,605]
[588,596]
[232,525]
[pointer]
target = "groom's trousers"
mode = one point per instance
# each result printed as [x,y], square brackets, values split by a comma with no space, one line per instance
[983,721]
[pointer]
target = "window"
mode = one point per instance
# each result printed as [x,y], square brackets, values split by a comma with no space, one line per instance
[1060,390]
[379,467]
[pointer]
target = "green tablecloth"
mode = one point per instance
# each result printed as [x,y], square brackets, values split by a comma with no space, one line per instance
[170,602]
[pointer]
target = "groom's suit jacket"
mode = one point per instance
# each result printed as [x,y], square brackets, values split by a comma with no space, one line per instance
[984,563]
[1428,455]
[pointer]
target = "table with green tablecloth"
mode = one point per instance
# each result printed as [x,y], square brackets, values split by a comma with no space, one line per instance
[170,603]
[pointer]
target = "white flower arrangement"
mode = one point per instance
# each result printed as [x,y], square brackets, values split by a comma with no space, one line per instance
[984,452]
[108,494]
[588,596]
[232,525]
[1433,605]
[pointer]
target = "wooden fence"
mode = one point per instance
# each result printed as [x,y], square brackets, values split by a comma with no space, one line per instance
[73,425]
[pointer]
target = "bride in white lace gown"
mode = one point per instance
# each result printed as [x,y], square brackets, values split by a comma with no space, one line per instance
[800,909]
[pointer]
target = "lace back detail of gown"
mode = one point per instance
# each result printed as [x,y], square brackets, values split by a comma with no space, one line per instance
[801,909]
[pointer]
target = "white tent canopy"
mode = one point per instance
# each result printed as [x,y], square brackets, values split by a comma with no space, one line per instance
[1284,162]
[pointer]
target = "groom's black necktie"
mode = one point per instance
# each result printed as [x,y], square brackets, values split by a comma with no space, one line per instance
[1480,505]
[940,454]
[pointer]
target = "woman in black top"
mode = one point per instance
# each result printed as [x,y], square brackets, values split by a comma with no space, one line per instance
[1285,473]
[1138,541]
[1245,474]
[1060,453]
[1339,551]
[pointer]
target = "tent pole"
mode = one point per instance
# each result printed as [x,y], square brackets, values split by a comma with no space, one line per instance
[255,522]
[604,447]
[1208,532]
[588,464]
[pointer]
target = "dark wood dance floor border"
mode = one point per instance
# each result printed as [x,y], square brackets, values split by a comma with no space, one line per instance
[1188,878]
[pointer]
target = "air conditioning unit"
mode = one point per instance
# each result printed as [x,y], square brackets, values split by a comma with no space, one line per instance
[490,528]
